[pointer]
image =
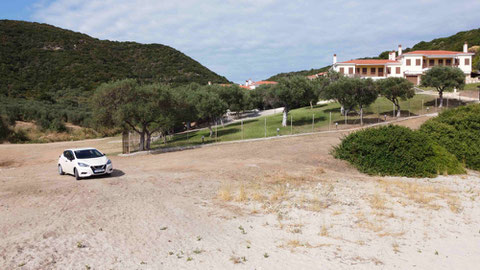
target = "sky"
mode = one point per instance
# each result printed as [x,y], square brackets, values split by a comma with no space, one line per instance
[255,39]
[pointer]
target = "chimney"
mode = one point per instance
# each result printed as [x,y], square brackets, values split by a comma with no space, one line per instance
[465,47]
[334,59]
[392,55]
[399,49]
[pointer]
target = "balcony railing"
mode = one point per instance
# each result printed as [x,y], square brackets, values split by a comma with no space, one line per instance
[447,65]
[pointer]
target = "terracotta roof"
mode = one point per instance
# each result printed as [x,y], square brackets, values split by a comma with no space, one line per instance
[265,82]
[430,52]
[369,62]
[244,86]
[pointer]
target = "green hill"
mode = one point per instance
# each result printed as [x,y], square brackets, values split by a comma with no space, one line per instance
[39,59]
[298,73]
[451,43]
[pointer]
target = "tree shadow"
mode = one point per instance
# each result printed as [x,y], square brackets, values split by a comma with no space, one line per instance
[446,102]
[305,121]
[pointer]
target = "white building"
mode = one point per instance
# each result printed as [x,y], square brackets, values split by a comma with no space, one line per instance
[409,65]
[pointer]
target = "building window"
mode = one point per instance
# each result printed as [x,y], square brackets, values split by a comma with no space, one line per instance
[364,71]
[467,62]
[380,71]
[431,62]
[397,70]
[417,62]
[350,70]
[440,62]
[389,70]
[409,62]
[457,61]
[341,70]
[358,70]
[373,71]
[449,62]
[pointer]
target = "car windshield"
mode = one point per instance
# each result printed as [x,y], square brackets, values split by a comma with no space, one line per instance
[88,153]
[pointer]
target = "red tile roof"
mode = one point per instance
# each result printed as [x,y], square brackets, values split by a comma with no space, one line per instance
[369,62]
[265,82]
[430,52]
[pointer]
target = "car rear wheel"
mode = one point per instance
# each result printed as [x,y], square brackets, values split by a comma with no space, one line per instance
[60,170]
[75,172]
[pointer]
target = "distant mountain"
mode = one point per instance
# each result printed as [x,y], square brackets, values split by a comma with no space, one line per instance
[39,59]
[451,43]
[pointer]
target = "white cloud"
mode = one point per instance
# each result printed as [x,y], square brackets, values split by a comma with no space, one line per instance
[258,38]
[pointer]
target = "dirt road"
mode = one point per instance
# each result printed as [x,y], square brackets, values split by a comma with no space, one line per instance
[276,204]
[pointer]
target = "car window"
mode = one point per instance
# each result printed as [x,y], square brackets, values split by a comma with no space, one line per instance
[88,153]
[68,155]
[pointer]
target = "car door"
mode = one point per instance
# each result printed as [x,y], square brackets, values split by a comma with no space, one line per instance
[68,162]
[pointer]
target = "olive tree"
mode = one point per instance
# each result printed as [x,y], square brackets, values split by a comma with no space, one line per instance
[126,104]
[293,93]
[443,79]
[353,93]
[396,89]
[209,105]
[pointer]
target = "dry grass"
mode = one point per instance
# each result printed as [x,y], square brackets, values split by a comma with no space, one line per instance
[242,195]
[225,192]
[395,247]
[324,230]
[377,202]
[279,192]
[424,195]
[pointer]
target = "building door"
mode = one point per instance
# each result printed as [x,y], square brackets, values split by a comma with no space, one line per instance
[413,79]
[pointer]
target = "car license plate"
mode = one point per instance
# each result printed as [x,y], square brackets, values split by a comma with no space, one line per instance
[99,171]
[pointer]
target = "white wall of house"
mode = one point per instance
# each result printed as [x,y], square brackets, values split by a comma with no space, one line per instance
[414,67]
[465,68]
[393,69]
[348,69]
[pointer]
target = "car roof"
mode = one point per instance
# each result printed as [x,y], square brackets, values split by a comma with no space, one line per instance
[78,149]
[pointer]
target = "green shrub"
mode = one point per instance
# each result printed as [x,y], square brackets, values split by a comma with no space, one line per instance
[458,130]
[18,136]
[397,151]
[5,130]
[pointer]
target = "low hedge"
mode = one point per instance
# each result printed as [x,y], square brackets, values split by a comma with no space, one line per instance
[458,130]
[397,151]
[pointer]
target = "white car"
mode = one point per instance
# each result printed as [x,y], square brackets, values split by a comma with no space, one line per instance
[84,162]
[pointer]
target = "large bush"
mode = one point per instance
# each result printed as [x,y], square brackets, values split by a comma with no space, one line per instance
[458,130]
[397,151]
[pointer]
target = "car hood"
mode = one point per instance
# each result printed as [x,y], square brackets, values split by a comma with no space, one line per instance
[94,161]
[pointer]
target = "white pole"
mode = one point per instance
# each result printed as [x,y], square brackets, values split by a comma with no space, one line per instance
[242,129]
[330,122]
[291,124]
[265,127]
[313,122]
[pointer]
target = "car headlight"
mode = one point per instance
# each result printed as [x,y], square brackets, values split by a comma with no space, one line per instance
[109,162]
[82,164]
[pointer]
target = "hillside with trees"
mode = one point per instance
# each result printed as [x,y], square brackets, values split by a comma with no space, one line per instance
[37,60]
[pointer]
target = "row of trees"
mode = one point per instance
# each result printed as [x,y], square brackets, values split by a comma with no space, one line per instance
[161,108]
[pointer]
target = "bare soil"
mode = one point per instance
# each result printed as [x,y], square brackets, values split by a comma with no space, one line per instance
[276,204]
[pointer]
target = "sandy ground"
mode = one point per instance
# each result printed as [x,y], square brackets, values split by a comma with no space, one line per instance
[276,204]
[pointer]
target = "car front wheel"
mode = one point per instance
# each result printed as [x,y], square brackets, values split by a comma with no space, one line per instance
[60,170]
[77,176]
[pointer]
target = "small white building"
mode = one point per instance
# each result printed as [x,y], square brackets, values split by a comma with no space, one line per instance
[409,65]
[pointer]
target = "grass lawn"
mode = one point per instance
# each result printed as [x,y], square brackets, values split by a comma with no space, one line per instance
[301,120]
